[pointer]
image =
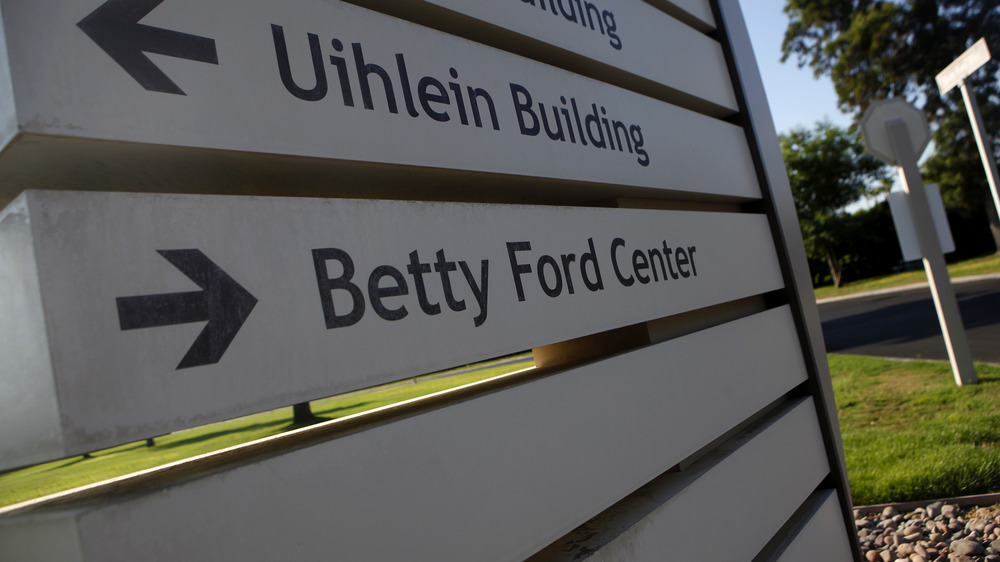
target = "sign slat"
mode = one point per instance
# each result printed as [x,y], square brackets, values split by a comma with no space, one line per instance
[322,296]
[445,483]
[334,81]
[621,34]
[818,535]
[761,484]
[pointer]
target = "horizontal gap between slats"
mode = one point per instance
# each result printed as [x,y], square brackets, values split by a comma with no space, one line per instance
[183,170]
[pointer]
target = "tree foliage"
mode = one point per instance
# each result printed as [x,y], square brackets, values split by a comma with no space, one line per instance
[828,169]
[878,49]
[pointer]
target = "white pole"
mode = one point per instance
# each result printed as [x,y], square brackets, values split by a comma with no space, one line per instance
[978,129]
[934,264]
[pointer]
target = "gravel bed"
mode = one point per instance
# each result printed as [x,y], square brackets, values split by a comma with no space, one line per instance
[934,533]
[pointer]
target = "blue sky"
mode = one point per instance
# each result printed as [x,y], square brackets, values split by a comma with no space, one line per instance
[795,97]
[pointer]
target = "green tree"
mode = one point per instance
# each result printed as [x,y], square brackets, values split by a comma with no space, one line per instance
[877,49]
[828,169]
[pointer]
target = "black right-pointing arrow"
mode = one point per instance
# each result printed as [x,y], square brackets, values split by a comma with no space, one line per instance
[222,302]
[115,27]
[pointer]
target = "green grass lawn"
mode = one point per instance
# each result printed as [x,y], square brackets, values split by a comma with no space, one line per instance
[33,482]
[911,434]
[977,266]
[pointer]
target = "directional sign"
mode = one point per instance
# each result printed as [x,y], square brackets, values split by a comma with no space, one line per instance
[330,81]
[348,294]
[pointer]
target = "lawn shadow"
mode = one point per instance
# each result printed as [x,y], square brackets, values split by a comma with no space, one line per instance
[279,425]
[331,413]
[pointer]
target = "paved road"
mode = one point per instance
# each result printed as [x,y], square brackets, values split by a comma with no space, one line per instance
[904,324]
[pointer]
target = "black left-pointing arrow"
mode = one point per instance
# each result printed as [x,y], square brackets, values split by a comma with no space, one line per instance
[115,27]
[222,302]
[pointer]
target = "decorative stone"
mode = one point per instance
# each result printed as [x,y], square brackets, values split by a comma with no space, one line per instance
[923,535]
[966,547]
[934,509]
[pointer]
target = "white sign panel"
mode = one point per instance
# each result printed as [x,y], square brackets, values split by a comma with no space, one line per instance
[769,474]
[968,62]
[622,34]
[147,313]
[906,229]
[331,80]
[501,475]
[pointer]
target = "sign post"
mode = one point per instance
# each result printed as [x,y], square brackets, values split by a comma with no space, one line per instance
[957,74]
[896,132]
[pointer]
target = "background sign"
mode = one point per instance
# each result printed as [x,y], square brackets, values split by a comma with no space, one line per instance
[906,230]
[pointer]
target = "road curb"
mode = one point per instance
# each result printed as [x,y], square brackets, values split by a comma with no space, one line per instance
[981,500]
[908,287]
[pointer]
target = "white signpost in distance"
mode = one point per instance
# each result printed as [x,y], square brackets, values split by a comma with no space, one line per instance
[897,133]
[957,74]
